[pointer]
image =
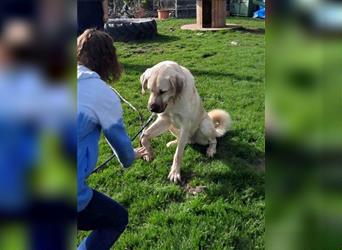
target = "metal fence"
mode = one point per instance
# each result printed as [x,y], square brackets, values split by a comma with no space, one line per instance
[116,6]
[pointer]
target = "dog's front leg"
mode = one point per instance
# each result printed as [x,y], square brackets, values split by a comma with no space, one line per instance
[174,174]
[157,128]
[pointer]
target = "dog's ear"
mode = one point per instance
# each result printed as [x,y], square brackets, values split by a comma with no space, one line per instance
[144,79]
[177,82]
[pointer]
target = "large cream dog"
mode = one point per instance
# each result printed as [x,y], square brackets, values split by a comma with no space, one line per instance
[174,97]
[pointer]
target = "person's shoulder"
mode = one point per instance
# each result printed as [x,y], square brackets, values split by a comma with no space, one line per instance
[107,92]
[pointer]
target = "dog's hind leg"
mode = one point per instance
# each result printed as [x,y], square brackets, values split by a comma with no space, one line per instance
[211,150]
[157,128]
[209,136]
[172,143]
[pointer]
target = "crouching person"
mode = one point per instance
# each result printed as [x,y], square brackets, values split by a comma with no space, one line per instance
[99,109]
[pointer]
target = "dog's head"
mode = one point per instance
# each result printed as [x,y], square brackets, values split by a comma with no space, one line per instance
[165,83]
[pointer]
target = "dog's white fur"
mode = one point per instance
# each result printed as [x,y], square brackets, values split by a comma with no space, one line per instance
[180,110]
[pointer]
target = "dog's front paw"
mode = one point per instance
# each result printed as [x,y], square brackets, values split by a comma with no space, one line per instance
[211,152]
[149,156]
[174,175]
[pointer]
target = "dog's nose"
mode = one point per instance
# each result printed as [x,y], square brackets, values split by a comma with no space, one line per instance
[154,107]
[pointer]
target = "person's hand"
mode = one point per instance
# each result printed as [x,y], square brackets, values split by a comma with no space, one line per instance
[140,152]
[105,17]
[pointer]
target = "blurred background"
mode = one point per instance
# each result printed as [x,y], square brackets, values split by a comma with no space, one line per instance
[303,120]
[37,130]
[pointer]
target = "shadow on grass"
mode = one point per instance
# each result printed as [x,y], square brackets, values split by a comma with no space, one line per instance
[159,38]
[129,67]
[236,154]
[250,30]
[196,72]
[245,167]
[221,74]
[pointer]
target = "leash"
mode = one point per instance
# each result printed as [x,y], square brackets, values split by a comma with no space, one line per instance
[129,104]
[143,126]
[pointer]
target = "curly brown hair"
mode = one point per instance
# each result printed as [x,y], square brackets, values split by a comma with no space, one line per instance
[96,51]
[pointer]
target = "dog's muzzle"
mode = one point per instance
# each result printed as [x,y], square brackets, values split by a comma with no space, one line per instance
[156,108]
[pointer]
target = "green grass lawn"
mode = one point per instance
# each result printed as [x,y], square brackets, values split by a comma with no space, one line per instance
[229,212]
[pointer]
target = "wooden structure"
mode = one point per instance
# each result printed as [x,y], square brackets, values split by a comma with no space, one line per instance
[211,13]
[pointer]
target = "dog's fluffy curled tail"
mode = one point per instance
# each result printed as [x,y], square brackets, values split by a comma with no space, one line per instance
[221,120]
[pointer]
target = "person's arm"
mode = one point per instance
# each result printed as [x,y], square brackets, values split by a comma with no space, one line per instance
[120,142]
[108,111]
[105,8]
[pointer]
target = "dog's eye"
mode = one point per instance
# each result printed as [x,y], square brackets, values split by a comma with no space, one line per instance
[162,92]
